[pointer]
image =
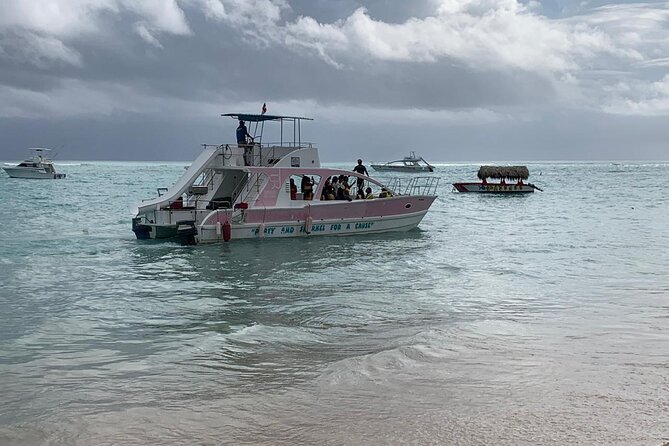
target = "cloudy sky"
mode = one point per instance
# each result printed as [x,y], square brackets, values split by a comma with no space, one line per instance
[455,80]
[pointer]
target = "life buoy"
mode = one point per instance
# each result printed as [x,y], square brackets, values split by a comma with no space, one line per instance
[226,231]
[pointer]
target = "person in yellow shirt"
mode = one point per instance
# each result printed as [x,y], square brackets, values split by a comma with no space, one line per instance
[369,195]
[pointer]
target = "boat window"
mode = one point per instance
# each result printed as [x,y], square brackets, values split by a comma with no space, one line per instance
[305,186]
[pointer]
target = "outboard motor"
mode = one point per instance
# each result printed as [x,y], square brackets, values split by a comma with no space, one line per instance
[186,231]
[143,232]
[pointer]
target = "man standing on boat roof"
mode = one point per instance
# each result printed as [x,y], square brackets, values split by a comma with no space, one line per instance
[242,134]
[362,170]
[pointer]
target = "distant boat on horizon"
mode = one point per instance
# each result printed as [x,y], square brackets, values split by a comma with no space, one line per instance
[37,167]
[411,163]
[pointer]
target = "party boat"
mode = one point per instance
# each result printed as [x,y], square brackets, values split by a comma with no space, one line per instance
[37,167]
[515,175]
[249,190]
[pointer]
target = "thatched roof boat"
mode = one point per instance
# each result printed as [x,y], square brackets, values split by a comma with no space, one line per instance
[511,172]
[515,173]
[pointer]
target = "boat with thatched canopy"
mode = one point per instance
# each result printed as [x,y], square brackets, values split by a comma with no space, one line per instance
[514,174]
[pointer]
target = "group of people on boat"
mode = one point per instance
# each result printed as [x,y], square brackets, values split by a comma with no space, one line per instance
[335,188]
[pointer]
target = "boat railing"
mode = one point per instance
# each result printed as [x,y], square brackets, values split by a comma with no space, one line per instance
[413,185]
[257,153]
[422,186]
[245,190]
[394,185]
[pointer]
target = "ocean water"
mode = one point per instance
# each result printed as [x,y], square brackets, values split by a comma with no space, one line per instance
[537,319]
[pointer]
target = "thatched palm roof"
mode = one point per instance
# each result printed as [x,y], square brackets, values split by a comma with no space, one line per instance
[512,172]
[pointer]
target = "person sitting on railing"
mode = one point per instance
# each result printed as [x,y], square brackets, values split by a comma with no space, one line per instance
[369,195]
[246,144]
[385,193]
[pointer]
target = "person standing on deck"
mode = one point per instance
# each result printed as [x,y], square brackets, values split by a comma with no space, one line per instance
[362,170]
[242,135]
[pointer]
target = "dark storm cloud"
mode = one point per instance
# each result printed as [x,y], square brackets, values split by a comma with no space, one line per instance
[467,70]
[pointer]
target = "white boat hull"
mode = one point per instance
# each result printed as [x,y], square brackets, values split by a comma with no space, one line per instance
[30,173]
[336,227]
[382,168]
[397,214]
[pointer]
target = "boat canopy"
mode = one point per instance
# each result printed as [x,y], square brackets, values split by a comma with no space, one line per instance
[511,172]
[261,118]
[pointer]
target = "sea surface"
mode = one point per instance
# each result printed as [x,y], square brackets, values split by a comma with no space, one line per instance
[501,320]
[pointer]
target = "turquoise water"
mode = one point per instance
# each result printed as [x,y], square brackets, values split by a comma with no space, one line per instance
[537,319]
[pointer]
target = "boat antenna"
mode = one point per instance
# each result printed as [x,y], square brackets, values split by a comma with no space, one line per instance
[57,149]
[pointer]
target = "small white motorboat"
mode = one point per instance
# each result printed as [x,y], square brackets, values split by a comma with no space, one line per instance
[38,167]
[411,163]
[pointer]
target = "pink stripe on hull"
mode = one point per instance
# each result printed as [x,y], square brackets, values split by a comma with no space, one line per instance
[380,207]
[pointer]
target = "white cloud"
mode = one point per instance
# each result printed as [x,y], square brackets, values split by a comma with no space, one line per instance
[600,59]
[39,50]
[145,34]
[163,16]
[53,26]
[58,18]
[482,34]
[639,98]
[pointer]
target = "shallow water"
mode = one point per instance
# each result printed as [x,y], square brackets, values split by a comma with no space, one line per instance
[535,319]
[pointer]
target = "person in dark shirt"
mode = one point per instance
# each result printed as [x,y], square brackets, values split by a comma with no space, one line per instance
[242,134]
[362,170]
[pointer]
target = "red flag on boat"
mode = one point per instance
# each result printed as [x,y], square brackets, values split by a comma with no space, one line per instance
[264,109]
